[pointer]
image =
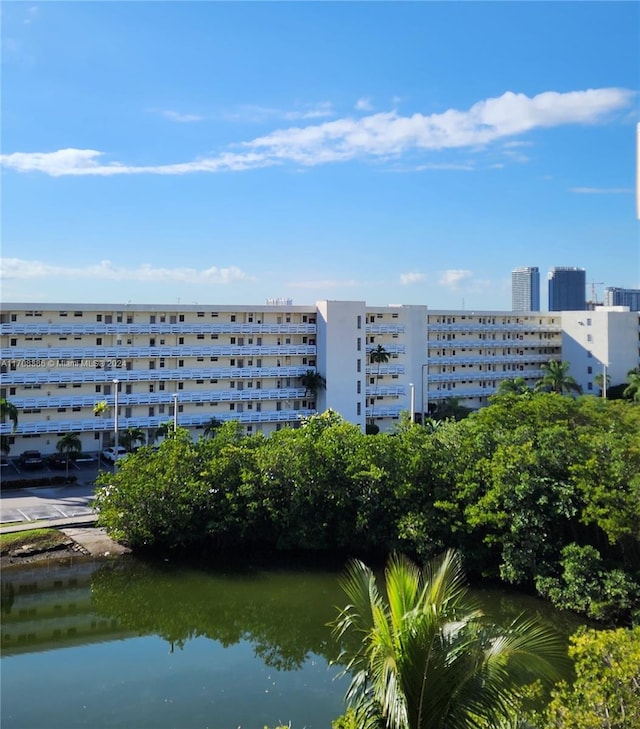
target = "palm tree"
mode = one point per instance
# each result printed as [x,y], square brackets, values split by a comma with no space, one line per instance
[101,408]
[129,437]
[313,382]
[632,390]
[8,410]
[211,426]
[515,386]
[425,657]
[5,445]
[599,379]
[378,356]
[556,378]
[68,444]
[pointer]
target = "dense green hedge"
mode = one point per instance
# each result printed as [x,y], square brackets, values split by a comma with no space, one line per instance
[539,491]
[25,483]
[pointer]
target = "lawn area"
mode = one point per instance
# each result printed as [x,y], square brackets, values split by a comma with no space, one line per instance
[42,539]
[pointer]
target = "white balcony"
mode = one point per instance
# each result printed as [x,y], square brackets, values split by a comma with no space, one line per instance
[98,355]
[100,328]
[54,376]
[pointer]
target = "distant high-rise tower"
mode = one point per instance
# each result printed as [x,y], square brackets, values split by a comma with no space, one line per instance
[623,297]
[567,289]
[525,289]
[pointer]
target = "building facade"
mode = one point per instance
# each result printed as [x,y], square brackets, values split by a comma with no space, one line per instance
[567,289]
[197,364]
[525,289]
[622,297]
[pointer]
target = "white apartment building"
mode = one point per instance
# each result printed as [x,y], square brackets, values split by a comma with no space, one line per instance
[245,363]
[603,341]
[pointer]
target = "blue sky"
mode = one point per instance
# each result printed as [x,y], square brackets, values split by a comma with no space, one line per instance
[392,152]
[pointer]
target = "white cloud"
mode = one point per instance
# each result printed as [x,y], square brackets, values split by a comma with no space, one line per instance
[453,277]
[407,279]
[364,104]
[601,190]
[376,135]
[178,117]
[17,268]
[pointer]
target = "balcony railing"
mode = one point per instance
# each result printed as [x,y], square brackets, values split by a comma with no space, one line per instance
[160,398]
[96,425]
[162,328]
[154,375]
[99,354]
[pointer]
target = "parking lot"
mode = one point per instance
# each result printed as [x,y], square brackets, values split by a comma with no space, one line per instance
[49,503]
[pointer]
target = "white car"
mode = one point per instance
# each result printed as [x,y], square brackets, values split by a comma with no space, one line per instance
[109,454]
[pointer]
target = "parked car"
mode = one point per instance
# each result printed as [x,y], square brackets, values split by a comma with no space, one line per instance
[31,460]
[58,462]
[109,454]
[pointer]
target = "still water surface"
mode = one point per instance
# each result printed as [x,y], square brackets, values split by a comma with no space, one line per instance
[129,645]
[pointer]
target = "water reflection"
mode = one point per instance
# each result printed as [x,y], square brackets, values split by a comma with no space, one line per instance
[283,614]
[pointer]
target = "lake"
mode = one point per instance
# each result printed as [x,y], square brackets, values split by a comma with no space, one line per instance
[127,644]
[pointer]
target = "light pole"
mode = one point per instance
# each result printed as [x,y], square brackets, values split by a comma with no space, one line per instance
[412,389]
[175,412]
[115,422]
[604,380]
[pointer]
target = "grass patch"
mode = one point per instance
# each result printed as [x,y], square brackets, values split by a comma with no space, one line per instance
[34,538]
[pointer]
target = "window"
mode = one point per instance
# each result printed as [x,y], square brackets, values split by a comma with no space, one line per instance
[181,317]
[180,363]
[180,385]
[98,340]
[152,364]
[77,313]
[589,370]
[359,321]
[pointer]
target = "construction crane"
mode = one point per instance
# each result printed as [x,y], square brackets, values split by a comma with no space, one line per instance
[593,290]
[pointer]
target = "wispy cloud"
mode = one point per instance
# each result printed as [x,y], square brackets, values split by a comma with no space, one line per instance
[324,284]
[17,268]
[176,116]
[601,190]
[364,104]
[32,13]
[380,135]
[407,279]
[452,278]
[260,114]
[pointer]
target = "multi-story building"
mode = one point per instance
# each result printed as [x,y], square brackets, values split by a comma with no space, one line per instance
[567,289]
[622,297]
[200,363]
[525,289]
[604,342]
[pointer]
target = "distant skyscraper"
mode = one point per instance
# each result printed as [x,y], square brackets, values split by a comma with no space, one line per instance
[623,297]
[525,289]
[567,289]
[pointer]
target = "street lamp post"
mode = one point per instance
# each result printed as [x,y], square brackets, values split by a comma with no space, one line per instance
[115,422]
[412,389]
[175,412]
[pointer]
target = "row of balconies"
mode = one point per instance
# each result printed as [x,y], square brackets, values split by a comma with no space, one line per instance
[463,344]
[95,425]
[184,397]
[520,328]
[98,354]
[161,398]
[488,359]
[153,375]
[104,329]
